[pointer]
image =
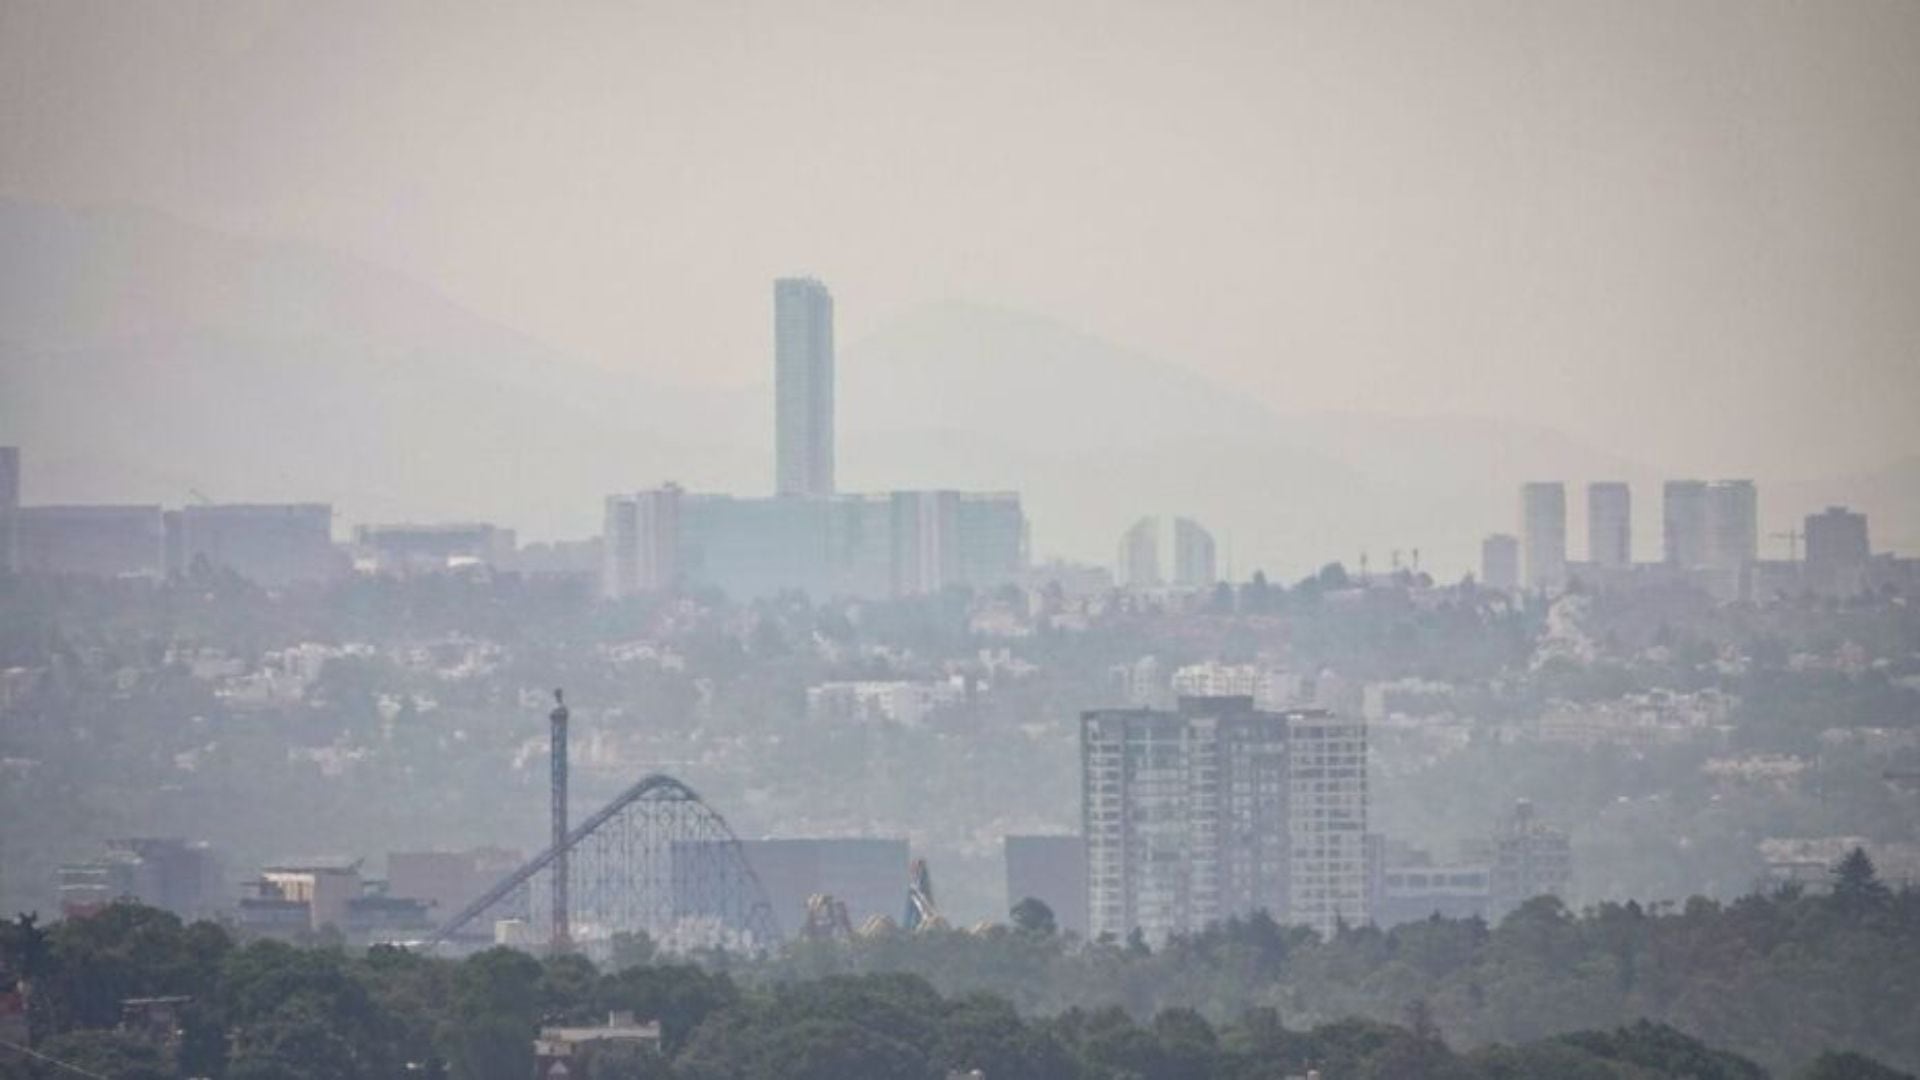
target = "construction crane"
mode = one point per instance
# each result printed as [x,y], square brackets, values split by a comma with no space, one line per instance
[1793,538]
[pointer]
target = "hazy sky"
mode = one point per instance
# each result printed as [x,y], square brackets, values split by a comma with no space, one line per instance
[1687,232]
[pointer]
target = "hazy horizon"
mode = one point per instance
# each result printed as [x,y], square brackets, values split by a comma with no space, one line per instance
[1680,235]
[466,611]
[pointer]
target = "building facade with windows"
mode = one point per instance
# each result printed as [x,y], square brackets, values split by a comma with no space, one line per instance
[1610,525]
[1543,534]
[803,387]
[1217,808]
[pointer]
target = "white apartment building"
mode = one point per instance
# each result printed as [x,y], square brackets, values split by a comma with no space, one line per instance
[1189,816]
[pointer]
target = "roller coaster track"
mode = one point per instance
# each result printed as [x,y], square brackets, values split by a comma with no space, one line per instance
[653,857]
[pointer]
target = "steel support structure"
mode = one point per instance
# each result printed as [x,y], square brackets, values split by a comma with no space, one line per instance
[657,861]
[562,931]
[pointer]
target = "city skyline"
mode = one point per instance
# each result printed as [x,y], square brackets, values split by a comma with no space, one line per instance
[1631,235]
[802,539]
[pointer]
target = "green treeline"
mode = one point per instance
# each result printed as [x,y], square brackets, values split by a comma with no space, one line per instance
[1779,978]
[1800,984]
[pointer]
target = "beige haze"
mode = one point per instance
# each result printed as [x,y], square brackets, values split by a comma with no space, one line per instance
[1687,233]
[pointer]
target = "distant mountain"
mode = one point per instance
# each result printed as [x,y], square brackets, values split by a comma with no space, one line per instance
[1097,436]
[143,358]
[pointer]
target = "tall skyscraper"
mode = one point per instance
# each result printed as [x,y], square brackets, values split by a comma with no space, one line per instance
[1683,523]
[1543,534]
[803,387]
[1221,809]
[1500,562]
[1733,525]
[1193,555]
[1837,552]
[1140,555]
[1158,551]
[1327,819]
[1609,524]
[9,503]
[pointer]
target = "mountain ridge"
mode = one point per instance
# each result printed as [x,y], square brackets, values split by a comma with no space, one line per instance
[142,357]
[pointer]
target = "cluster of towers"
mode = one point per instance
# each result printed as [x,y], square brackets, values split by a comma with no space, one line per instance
[1710,527]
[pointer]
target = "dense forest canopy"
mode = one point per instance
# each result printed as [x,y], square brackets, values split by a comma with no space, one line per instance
[1803,985]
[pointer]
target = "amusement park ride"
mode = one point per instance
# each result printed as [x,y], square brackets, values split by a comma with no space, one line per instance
[655,860]
[659,861]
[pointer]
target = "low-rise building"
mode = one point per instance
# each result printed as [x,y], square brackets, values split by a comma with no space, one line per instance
[908,703]
[569,1053]
[164,872]
[90,541]
[1530,858]
[322,889]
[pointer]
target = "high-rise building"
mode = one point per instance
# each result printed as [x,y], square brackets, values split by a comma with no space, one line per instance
[1683,523]
[803,387]
[1189,816]
[620,547]
[1193,555]
[9,502]
[1500,562]
[1543,534]
[1052,870]
[1144,547]
[1733,535]
[1609,524]
[1140,555]
[1838,552]
[1327,876]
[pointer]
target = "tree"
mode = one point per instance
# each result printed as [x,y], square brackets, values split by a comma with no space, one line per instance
[1188,1045]
[632,949]
[985,1033]
[567,985]
[1856,884]
[1256,596]
[1033,916]
[1832,1066]
[24,957]
[106,1053]
[496,1010]
[1222,600]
